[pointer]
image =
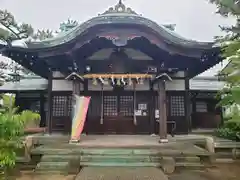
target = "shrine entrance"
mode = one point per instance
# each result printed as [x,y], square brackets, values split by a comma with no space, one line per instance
[118,112]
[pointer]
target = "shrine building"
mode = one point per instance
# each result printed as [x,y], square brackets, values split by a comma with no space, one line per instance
[137,73]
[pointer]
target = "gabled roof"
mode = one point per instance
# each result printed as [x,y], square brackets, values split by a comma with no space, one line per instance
[119,14]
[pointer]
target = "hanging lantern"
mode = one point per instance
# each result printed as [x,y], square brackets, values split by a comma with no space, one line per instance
[95,81]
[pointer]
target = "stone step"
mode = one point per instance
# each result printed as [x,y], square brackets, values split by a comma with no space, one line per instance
[147,152]
[224,160]
[91,151]
[111,158]
[52,166]
[140,164]
[119,158]
[53,139]
[119,164]
[190,165]
[22,160]
[188,159]
[116,151]
[226,144]
[57,158]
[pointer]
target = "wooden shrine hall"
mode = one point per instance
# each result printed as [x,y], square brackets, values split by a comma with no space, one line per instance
[135,71]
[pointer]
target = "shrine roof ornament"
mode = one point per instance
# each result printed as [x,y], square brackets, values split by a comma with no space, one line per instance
[119,8]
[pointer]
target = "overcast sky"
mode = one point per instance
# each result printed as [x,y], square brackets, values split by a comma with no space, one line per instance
[194,19]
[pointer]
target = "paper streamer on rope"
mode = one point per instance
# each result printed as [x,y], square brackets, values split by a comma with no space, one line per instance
[79,116]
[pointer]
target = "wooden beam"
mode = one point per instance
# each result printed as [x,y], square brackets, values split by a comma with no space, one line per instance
[162,112]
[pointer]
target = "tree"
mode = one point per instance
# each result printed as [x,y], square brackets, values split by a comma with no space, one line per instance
[10,30]
[43,34]
[230,94]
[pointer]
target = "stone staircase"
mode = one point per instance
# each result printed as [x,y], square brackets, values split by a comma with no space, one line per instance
[71,159]
[226,151]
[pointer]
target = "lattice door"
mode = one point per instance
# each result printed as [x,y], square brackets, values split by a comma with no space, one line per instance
[110,105]
[126,106]
[118,105]
[61,109]
[177,106]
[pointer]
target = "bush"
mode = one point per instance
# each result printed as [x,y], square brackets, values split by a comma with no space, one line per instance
[12,126]
[11,129]
[230,130]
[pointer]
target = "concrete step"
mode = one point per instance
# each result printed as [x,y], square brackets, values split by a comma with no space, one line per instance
[22,160]
[46,150]
[189,159]
[57,158]
[52,166]
[226,144]
[140,164]
[190,165]
[91,151]
[119,164]
[119,158]
[53,139]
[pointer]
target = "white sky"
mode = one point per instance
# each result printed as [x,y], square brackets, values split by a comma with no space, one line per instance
[194,19]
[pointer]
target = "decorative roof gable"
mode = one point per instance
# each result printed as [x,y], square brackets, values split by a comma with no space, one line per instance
[119,8]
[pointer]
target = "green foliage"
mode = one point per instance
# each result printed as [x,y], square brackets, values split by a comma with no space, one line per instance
[11,30]
[230,95]
[11,129]
[30,118]
[230,130]
[43,34]
[227,7]
[12,126]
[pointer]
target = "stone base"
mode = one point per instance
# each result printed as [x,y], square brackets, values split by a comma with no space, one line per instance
[168,165]
[163,141]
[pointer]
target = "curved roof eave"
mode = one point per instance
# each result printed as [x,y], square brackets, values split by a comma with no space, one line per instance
[117,18]
[119,14]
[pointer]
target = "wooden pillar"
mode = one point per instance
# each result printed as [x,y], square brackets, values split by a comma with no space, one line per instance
[152,110]
[50,103]
[42,111]
[76,87]
[187,105]
[162,111]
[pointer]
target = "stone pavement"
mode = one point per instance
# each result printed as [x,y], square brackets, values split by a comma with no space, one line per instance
[121,173]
